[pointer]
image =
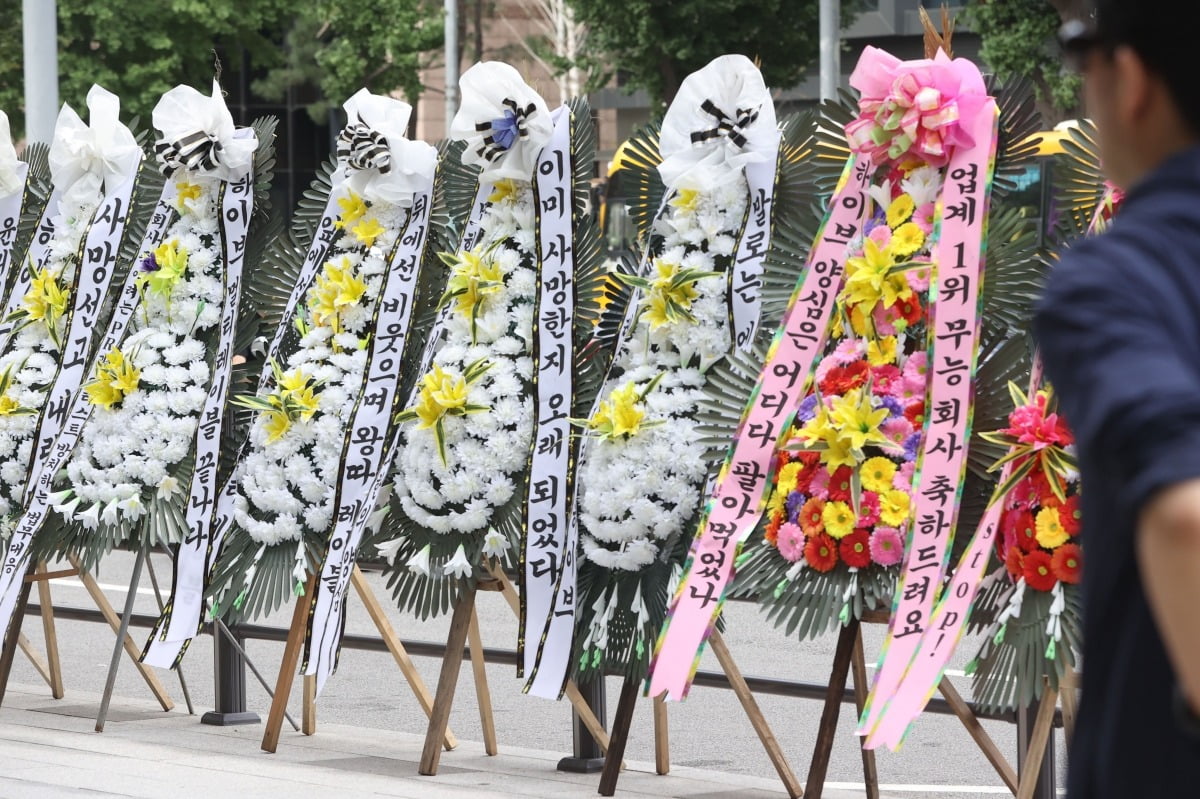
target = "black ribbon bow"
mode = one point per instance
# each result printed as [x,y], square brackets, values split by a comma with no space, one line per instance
[363,148]
[492,149]
[732,127]
[197,150]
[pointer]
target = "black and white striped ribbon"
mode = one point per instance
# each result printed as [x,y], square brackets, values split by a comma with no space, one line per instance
[732,127]
[361,147]
[195,151]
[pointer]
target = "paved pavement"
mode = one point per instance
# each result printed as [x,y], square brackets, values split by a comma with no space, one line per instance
[370,727]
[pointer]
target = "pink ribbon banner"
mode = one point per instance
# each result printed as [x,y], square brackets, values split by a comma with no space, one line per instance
[737,503]
[954,607]
[955,310]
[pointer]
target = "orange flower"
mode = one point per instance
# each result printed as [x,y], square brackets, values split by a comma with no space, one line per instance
[812,517]
[1067,563]
[821,552]
[1039,571]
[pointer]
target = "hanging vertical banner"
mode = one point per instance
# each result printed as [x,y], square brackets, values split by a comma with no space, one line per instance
[959,273]
[745,278]
[95,170]
[187,599]
[368,450]
[101,247]
[947,623]
[548,595]
[14,176]
[742,485]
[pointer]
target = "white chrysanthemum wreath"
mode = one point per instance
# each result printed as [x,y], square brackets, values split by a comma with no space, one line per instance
[467,440]
[32,356]
[288,478]
[644,469]
[148,392]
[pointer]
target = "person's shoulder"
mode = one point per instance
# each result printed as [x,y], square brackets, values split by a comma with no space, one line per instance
[1128,261]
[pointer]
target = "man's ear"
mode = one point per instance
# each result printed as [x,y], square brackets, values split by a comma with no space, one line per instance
[1133,89]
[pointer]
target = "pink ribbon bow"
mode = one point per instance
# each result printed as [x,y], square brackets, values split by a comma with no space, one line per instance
[913,108]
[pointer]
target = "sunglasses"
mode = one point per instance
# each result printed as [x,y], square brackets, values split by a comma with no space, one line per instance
[1078,39]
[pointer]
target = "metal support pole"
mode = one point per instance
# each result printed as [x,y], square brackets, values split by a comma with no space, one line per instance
[588,757]
[40,41]
[1045,787]
[229,684]
[122,631]
[451,62]
[831,48]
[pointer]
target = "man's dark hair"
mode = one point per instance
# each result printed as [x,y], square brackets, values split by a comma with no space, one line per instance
[1164,35]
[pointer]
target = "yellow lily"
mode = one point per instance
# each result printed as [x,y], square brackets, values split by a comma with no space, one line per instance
[353,209]
[367,230]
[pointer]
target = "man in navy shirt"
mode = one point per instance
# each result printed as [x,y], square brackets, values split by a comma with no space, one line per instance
[1119,328]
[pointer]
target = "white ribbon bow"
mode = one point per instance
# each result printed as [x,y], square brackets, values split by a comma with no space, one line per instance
[504,122]
[102,153]
[375,158]
[10,177]
[198,135]
[722,119]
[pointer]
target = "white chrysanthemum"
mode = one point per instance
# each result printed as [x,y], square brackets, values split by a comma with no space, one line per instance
[287,486]
[485,452]
[637,492]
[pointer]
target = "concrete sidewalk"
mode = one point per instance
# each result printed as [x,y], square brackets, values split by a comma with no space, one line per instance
[48,749]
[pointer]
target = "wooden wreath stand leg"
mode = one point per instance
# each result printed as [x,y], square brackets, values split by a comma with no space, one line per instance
[287,667]
[1043,726]
[594,726]
[848,655]
[49,669]
[291,654]
[12,635]
[624,718]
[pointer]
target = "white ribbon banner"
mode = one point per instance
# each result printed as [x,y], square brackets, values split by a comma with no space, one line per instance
[745,274]
[367,453]
[184,611]
[10,218]
[101,248]
[548,598]
[54,456]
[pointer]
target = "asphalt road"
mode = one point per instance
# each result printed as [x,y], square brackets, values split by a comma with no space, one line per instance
[708,730]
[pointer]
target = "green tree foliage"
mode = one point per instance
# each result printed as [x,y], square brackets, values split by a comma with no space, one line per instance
[654,45]
[138,50]
[339,46]
[1018,40]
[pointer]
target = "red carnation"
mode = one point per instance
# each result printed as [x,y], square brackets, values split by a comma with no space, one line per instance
[821,552]
[1039,571]
[839,484]
[910,310]
[841,379]
[1026,531]
[915,413]
[856,549]
[1071,515]
[1067,563]
[1015,562]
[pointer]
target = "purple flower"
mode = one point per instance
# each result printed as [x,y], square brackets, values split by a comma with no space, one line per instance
[808,408]
[793,504]
[880,218]
[148,264]
[892,404]
[911,445]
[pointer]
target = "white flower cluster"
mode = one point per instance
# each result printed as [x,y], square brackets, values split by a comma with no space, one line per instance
[129,449]
[33,358]
[638,490]
[287,482]
[487,451]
